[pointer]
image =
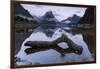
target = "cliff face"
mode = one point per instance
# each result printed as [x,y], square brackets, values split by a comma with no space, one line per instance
[88,17]
[49,14]
[48,21]
[19,10]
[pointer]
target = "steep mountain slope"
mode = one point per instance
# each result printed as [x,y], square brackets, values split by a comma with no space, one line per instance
[88,17]
[74,19]
[19,10]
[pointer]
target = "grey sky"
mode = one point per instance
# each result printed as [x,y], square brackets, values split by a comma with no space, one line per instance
[61,12]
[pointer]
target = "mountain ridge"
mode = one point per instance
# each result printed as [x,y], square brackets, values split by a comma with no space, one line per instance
[21,11]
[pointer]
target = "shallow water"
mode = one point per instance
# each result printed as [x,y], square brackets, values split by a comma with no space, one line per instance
[51,56]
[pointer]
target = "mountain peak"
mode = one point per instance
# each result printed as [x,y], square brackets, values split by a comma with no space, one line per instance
[49,14]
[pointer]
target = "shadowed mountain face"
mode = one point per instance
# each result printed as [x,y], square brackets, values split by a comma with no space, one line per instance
[74,19]
[49,14]
[49,18]
[88,17]
[19,10]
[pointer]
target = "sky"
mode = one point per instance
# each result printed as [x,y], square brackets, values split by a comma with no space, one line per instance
[60,12]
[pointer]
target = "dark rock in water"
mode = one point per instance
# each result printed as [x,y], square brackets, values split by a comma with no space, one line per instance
[36,46]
